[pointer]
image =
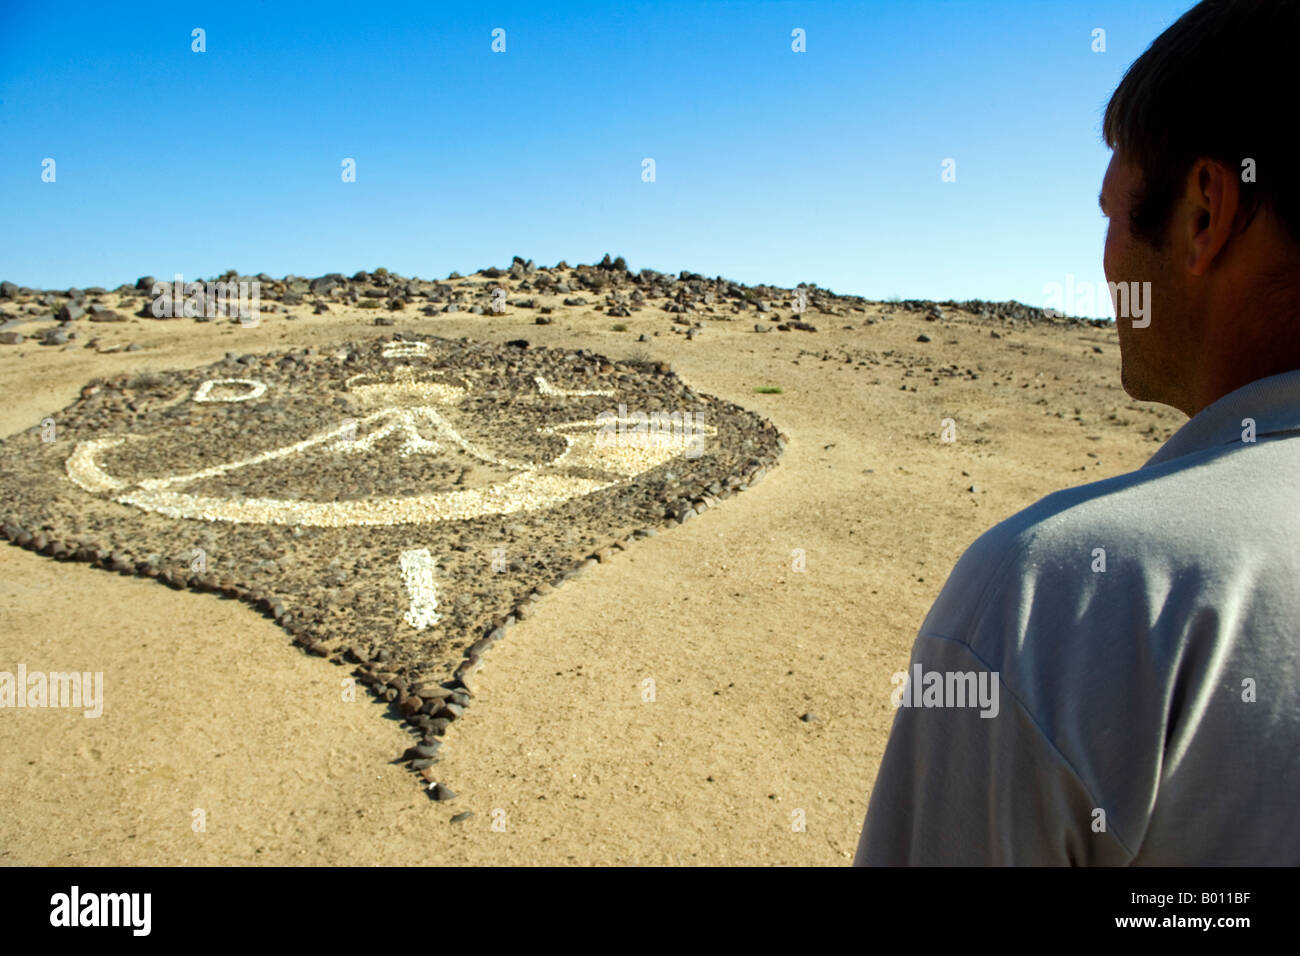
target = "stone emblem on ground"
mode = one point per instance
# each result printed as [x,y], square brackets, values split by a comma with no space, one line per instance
[394,505]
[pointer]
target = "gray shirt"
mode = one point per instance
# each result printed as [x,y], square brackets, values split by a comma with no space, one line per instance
[1118,667]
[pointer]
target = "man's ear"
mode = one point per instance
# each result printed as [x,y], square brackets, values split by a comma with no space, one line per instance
[1214,195]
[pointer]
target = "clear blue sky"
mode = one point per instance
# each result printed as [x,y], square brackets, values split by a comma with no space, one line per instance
[771,166]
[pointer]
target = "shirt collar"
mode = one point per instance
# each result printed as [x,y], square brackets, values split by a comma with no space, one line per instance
[1273,403]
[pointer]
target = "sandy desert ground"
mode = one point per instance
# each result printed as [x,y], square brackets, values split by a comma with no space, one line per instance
[741,646]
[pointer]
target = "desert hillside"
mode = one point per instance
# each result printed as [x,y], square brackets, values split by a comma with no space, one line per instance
[767,614]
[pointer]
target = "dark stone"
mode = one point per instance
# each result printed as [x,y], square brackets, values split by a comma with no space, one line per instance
[422,721]
[451,711]
[326,283]
[422,750]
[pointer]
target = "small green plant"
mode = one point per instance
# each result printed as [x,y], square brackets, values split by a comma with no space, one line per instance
[768,389]
[619,327]
[381,271]
[638,357]
[368,304]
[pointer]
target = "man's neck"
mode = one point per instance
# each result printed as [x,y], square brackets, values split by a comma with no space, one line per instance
[1232,376]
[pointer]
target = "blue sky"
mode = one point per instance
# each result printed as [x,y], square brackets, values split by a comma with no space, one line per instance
[770,165]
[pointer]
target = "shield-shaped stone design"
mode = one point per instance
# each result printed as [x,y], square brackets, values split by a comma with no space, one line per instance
[395,505]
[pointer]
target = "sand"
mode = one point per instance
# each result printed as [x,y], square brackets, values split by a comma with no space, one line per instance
[739,645]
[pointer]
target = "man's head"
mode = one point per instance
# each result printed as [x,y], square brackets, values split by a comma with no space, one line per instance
[1203,199]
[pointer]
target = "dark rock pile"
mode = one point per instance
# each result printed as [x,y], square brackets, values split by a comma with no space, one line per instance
[608,287]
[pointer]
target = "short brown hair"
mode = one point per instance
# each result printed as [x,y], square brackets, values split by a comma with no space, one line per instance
[1218,84]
